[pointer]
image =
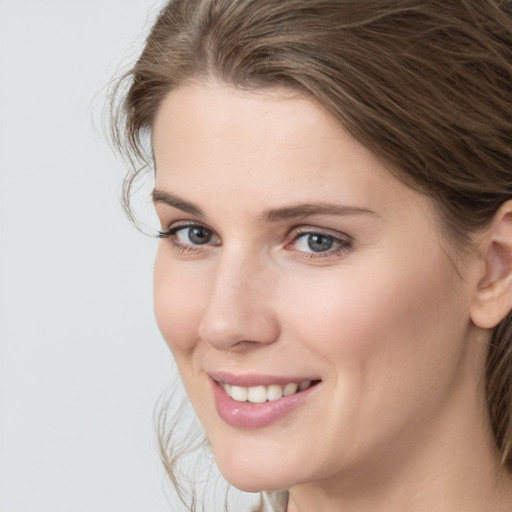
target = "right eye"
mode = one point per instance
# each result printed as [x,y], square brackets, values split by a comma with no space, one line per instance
[190,235]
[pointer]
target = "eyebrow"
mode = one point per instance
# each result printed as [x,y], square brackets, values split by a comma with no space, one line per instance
[159,196]
[274,215]
[309,209]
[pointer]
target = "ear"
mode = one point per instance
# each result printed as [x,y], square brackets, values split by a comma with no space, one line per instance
[493,299]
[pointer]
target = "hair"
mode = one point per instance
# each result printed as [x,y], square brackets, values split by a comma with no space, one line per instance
[426,86]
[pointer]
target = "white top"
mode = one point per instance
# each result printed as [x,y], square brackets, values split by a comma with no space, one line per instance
[273,502]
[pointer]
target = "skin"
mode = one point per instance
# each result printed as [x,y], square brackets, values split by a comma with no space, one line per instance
[384,318]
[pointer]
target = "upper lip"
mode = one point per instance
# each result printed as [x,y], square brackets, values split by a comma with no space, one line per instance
[252,379]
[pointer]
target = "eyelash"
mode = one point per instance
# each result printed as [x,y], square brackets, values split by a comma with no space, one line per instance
[341,245]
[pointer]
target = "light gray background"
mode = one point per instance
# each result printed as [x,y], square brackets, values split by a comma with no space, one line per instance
[81,361]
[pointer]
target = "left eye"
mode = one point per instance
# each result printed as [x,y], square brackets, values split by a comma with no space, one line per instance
[317,243]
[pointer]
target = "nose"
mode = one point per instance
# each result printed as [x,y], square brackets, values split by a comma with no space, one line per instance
[239,312]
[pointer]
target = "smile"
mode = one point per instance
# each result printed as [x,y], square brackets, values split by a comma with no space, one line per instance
[261,394]
[254,401]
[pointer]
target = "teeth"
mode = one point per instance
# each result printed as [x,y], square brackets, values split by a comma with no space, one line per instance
[290,389]
[257,394]
[239,394]
[261,394]
[304,385]
[274,392]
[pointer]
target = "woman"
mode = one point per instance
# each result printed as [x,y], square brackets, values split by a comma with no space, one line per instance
[334,185]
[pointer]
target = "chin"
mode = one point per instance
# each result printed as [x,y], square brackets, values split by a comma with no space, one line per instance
[257,481]
[264,473]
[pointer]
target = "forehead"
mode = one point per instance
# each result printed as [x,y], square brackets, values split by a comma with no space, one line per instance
[268,122]
[264,148]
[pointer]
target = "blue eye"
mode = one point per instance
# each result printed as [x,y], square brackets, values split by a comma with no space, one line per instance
[190,235]
[197,235]
[319,243]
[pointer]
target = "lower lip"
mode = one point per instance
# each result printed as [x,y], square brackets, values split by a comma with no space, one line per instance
[249,415]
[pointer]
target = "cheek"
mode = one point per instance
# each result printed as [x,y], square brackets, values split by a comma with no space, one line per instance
[388,343]
[177,302]
[391,327]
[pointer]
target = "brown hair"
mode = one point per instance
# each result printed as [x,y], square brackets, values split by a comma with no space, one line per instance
[427,86]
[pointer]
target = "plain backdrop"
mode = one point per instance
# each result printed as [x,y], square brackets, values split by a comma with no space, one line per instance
[82,363]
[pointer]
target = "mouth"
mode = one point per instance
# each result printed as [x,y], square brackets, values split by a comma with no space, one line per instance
[261,394]
[253,401]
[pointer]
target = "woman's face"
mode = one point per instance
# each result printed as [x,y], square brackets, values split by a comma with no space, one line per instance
[318,324]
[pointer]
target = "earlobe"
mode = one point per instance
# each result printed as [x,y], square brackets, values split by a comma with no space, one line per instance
[493,299]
